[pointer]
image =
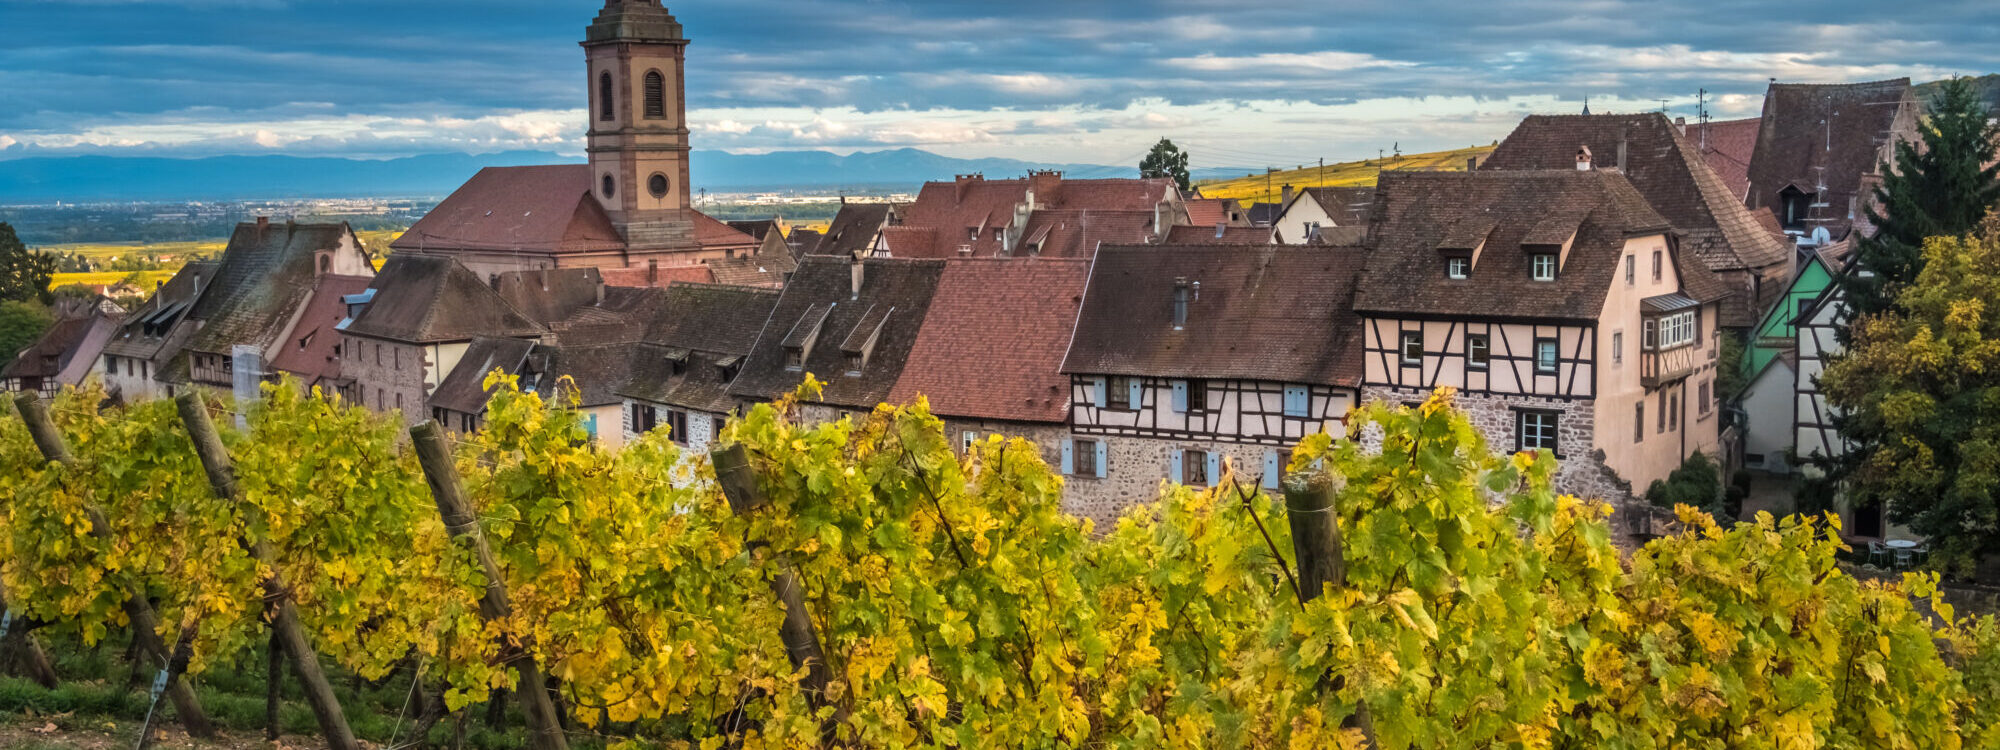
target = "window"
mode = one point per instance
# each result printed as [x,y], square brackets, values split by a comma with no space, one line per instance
[645,417]
[677,426]
[716,432]
[378,354]
[1537,430]
[1670,332]
[1617,347]
[1631,266]
[604,103]
[972,234]
[1121,393]
[1476,352]
[1543,265]
[1545,356]
[656,95]
[1674,411]
[657,185]
[853,364]
[965,441]
[396,355]
[610,186]
[1639,421]
[795,358]
[1457,268]
[1194,469]
[111,363]
[399,402]
[1660,422]
[1085,462]
[1658,268]
[1413,347]
[1298,401]
[1197,395]
[1703,402]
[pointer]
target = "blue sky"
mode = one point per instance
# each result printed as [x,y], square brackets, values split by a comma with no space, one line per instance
[1239,84]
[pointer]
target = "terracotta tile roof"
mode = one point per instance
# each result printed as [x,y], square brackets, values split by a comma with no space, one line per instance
[310,351]
[713,234]
[423,298]
[1727,147]
[1206,235]
[642,276]
[802,241]
[1279,313]
[992,344]
[1827,134]
[768,270]
[973,212]
[1665,168]
[1208,212]
[464,389]
[50,353]
[1416,210]
[1075,233]
[900,286]
[546,209]
[853,228]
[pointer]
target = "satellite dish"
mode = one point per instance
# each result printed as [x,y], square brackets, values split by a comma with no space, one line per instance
[1821,237]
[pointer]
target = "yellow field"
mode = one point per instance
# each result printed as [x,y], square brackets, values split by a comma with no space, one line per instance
[94,278]
[377,242]
[1259,189]
[106,251]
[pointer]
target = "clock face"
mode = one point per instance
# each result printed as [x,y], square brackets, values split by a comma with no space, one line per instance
[658,185]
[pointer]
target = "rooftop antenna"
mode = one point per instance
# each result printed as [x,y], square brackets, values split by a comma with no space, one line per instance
[1701,114]
[1663,106]
[1586,104]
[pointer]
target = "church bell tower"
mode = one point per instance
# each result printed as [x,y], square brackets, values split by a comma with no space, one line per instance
[638,139]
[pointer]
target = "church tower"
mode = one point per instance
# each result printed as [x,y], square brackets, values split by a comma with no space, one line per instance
[638,140]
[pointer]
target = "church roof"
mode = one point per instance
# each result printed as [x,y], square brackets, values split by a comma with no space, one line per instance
[543,209]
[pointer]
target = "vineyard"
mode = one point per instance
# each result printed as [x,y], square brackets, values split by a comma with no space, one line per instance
[1269,188]
[862,584]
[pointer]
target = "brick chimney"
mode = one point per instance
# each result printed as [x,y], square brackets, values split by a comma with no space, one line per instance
[652,272]
[963,182]
[1286,195]
[1583,158]
[1045,185]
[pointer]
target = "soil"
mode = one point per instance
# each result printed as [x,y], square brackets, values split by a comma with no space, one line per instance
[70,733]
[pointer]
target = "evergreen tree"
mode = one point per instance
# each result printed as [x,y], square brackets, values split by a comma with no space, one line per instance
[1940,187]
[1166,160]
[24,273]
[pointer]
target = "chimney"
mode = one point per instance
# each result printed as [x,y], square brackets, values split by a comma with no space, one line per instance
[856,271]
[963,182]
[1161,221]
[1472,164]
[1681,124]
[1286,195]
[1583,158]
[262,222]
[1180,303]
[1622,143]
[1045,184]
[652,272]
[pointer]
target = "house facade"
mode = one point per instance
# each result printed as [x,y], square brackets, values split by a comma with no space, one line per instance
[1560,306]
[265,284]
[690,357]
[1185,356]
[414,324]
[1305,212]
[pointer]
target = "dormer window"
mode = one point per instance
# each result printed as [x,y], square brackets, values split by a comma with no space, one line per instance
[799,343]
[854,364]
[795,358]
[1457,267]
[1542,266]
[972,234]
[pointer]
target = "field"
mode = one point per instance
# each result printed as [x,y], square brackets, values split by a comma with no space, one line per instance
[109,251]
[173,255]
[106,278]
[1268,189]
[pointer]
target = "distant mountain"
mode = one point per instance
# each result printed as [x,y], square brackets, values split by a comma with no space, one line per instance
[131,178]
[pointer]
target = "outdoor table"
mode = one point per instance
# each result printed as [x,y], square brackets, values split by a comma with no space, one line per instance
[1900,544]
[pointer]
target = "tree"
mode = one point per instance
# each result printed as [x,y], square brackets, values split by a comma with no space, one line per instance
[1166,160]
[1940,187]
[21,324]
[1919,387]
[24,273]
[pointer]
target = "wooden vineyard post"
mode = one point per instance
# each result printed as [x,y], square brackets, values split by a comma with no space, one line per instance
[739,485]
[1321,556]
[285,617]
[433,452]
[274,680]
[145,626]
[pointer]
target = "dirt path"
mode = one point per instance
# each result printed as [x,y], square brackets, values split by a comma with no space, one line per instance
[69,733]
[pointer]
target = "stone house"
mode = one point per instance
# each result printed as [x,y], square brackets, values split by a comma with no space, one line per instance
[1185,355]
[689,358]
[413,325]
[269,276]
[1563,309]
[152,335]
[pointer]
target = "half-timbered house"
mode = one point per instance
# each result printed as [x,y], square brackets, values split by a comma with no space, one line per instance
[1185,355]
[1561,307]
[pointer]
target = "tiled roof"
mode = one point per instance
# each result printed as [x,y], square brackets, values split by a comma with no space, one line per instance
[904,287]
[971,365]
[970,212]
[464,388]
[1265,214]
[1415,211]
[702,326]
[643,276]
[547,209]
[266,274]
[1208,212]
[1727,147]
[550,294]
[1664,167]
[423,298]
[1073,233]
[163,312]
[598,371]
[624,317]
[47,356]
[854,228]
[1206,235]
[802,241]
[1348,206]
[309,353]
[1826,134]
[766,270]
[711,233]
[1278,313]
[758,228]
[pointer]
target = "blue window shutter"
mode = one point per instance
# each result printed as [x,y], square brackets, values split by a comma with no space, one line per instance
[1174,466]
[1271,469]
[1180,396]
[1069,457]
[1137,391]
[590,426]
[1214,467]
[1101,395]
[1103,458]
[1296,401]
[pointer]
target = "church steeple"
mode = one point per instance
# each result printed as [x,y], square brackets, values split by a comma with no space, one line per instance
[638,139]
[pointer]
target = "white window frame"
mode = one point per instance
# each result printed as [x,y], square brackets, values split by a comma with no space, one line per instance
[1545,435]
[1403,347]
[1484,357]
[1554,359]
[1672,331]
[1457,267]
[1542,266]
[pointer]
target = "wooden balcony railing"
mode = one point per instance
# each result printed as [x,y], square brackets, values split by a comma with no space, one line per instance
[1659,368]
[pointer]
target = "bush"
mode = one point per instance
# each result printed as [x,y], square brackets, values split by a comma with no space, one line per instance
[1697,483]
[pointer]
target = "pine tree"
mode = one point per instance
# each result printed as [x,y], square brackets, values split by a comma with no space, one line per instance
[1166,160]
[24,273]
[1940,187]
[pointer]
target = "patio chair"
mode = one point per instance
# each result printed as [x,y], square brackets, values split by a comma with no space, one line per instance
[1906,558]
[1878,554]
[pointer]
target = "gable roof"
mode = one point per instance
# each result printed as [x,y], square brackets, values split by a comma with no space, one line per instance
[309,350]
[655,276]
[1727,147]
[952,212]
[421,298]
[1831,134]
[712,318]
[550,294]
[765,270]
[1415,211]
[1665,168]
[161,314]
[266,274]
[1279,313]
[969,366]
[1077,233]
[65,347]
[1347,206]
[854,228]
[623,317]
[758,229]
[464,389]
[1212,211]
[711,233]
[1229,235]
[901,288]
[544,209]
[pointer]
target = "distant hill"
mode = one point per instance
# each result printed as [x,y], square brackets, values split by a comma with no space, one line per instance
[1988,87]
[1261,188]
[123,178]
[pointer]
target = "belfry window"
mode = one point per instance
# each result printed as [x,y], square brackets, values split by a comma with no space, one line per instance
[656,95]
[605,109]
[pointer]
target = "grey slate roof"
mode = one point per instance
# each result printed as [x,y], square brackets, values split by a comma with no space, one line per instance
[266,274]
[902,286]
[703,326]
[152,331]
[463,389]
[423,298]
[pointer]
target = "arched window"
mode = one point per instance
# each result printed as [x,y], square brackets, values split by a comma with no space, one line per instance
[610,186]
[326,264]
[658,185]
[604,104]
[656,95]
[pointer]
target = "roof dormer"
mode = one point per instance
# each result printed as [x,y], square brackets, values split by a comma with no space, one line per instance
[799,343]
[859,347]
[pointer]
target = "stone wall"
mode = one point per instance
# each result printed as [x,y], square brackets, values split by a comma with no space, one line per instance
[1582,471]
[386,374]
[1135,467]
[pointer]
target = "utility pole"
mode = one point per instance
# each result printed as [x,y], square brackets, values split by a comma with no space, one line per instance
[1322,171]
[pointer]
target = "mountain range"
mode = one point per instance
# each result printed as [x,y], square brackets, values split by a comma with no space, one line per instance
[133,178]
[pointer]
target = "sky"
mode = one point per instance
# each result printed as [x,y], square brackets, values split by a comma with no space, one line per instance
[1078,81]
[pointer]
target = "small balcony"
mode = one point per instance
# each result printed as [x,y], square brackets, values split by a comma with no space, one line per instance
[1657,368]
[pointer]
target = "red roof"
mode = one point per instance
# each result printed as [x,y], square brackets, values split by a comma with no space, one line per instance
[1727,149]
[1076,234]
[1208,212]
[710,233]
[970,367]
[640,276]
[970,212]
[545,209]
[309,351]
